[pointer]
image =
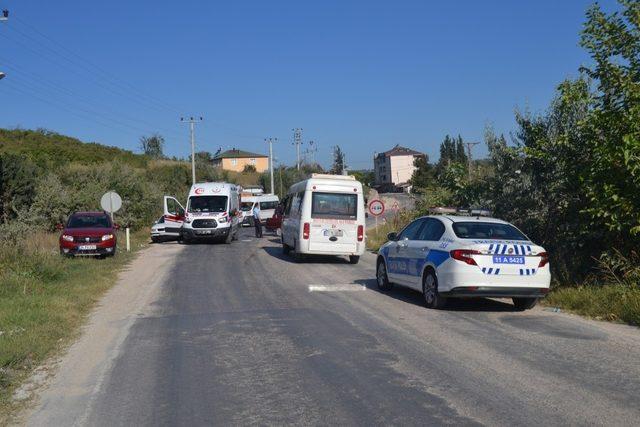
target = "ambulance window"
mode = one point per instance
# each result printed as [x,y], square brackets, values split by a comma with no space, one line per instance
[207,204]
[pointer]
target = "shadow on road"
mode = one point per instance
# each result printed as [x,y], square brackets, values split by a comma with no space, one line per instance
[276,252]
[453,304]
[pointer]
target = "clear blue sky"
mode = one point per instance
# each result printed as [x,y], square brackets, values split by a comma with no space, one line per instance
[364,75]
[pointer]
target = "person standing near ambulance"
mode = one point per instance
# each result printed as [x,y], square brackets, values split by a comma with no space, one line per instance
[256,220]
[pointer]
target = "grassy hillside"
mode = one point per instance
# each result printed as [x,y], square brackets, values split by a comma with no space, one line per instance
[47,148]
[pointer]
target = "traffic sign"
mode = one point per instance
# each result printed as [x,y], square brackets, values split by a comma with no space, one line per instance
[111,202]
[395,206]
[376,207]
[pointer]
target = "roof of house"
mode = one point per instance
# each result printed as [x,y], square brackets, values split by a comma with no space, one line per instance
[237,154]
[401,151]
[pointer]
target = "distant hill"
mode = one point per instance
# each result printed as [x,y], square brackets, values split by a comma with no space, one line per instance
[48,148]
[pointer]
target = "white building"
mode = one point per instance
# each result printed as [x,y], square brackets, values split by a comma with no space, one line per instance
[394,168]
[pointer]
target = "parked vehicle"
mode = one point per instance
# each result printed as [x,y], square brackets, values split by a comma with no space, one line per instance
[160,234]
[460,256]
[212,212]
[274,224]
[324,215]
[267,203]
[88,234]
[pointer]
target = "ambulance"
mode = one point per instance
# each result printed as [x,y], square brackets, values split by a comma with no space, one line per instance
[212,212]
[325,215]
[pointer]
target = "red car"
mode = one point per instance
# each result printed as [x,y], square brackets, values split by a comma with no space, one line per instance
[88,234]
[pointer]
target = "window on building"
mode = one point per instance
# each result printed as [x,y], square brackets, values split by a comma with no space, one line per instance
[252,161]
[234,162]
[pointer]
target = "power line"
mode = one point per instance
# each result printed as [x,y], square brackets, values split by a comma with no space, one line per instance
[28,80]
[89,66]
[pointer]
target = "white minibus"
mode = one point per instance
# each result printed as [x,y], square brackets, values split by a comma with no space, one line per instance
[324,215]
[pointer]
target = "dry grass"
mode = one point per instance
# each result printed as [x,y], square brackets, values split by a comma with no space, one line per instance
[614,302]
[44,298]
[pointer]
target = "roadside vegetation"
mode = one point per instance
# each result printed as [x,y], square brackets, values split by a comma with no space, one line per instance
[568,177]
[44,298]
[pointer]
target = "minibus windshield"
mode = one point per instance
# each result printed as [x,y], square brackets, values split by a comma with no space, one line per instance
[334,205]
[207,204]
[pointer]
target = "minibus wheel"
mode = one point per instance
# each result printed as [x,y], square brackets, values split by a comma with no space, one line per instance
[354,259]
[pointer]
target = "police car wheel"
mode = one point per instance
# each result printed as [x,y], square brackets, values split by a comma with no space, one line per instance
[381,277]
[432,299]
[522,304]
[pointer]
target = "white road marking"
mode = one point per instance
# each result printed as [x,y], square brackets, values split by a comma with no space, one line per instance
[351,287]
[246,240]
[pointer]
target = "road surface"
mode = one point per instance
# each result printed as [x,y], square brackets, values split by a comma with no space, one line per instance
[232,335]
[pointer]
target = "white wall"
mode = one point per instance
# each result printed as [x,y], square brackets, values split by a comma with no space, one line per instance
[401,168]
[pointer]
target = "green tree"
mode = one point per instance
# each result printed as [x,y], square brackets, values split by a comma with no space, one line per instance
[338,161]
[18,177]
[612,179]
[423,176]
[152,145]
[451,151]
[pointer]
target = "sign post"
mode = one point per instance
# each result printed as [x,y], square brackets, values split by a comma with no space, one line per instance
[112,202]
[376,208]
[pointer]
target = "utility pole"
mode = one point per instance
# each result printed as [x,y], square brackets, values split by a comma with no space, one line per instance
[3,18]
[311,151]
[192,131]
[469,145]
[297,141]
[270,141]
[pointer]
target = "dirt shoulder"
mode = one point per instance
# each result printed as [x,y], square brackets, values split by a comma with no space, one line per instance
[65,397]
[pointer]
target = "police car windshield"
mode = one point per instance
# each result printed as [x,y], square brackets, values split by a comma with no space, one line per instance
[207,204]
[89,221]
[487,230]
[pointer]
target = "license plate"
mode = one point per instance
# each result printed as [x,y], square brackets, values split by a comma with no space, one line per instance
[506,259]
[87,247]
[203,232]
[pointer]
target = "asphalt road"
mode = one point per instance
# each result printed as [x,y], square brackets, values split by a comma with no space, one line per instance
[234,336]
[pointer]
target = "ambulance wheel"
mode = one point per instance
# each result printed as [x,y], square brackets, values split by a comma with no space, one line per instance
[522,304]
[229,238]
[432,298]
[354,259]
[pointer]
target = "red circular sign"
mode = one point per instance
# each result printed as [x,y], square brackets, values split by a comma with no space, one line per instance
[376,207]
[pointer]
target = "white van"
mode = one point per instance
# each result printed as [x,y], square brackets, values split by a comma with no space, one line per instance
[324,215]
[213,210]
[267,203]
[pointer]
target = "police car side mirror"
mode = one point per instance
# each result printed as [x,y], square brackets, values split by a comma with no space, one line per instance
[393,236]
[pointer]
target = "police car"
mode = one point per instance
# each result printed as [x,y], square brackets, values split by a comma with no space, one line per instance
[446,256]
